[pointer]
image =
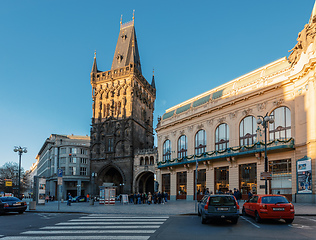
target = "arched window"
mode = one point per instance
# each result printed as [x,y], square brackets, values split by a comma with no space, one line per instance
[182,146]
[247,131]
[222,137]
[167,150]
[152,160]
[141,161]
[281,128]
[200,142]
[146,161]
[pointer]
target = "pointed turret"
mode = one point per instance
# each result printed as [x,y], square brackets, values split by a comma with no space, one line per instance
[153,80]
[126,51]
[95,67]
[313,14]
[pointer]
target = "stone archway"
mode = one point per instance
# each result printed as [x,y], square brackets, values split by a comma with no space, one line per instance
[112,175]
[145,182]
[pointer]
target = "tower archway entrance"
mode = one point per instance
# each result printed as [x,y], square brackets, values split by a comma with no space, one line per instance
[145,182]
[112,175]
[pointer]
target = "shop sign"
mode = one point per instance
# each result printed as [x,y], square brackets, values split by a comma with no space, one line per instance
[304,175]
[265,176]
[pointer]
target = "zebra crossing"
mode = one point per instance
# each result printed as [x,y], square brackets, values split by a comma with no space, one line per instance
[97,226]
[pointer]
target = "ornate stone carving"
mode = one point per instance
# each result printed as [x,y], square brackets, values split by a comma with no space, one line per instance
[200,126]
[209,122]
[246,112]
[221,120]
[278,102]
[233,115]
[190,128]
[261,106]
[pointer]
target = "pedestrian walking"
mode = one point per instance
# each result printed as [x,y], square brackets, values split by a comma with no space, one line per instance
[166,196]
[150,197]
[69,197]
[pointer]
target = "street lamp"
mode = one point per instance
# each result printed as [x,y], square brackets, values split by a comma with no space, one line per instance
[263,120]
[20,150]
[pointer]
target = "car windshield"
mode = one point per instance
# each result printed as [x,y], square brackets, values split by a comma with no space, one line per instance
[222,200]
[274,199]
[9,199]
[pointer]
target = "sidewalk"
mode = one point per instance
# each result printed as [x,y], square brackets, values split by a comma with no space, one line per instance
[169,208]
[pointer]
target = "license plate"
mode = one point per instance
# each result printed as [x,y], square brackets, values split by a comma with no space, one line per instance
[16,204]
[222,209]
[278,209]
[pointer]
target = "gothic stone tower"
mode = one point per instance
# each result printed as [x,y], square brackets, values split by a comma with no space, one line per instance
[122,121]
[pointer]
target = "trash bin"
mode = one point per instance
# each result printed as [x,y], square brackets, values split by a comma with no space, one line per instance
[32,205]
[91,201]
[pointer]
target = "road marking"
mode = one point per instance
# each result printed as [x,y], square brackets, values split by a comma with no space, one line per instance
[77,237]
[109,223]
[90,232]
[250,222]
[111,220]
[311,219]
[100,227]
[294,225]
[105,217]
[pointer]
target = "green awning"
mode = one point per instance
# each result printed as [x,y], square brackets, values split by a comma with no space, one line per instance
[201,101]
[167,115]
[183,108]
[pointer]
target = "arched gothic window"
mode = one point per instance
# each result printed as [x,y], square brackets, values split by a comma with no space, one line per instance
[141,162]
[182,146]
[281,128]
[247,131]
[200,142]
[167,150]
[222,137]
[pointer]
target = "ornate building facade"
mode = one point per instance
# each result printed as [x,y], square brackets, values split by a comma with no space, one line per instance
[220,132]
[122,121]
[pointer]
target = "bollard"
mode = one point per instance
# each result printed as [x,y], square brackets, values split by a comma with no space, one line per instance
[32,205]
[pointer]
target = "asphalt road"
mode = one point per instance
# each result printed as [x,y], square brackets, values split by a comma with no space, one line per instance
[46,226]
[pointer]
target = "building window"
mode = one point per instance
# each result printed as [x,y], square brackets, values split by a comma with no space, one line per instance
[62,160]
[110,145]
[221,175]
[72,159]
[152,162]
[72,170]
[200,142]
[141,161]
[182,146]
[247,131]
[63,151]
[83,160]
[146,161]
[72,150]
[83,171]
[166,183]
[83,151]
[248,178]
[281,128]
[222,137]
[182,184]
[167,150]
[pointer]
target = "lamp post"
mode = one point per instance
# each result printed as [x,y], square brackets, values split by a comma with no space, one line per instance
[263,120]
[20,150]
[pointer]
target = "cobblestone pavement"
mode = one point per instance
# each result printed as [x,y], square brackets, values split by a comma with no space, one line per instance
[169,208]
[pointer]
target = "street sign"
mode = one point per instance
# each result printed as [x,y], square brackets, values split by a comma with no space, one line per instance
[8,183]
[265,176]
[59,181]
[59,172]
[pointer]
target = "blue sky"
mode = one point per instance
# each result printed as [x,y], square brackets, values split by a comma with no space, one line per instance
[47,49]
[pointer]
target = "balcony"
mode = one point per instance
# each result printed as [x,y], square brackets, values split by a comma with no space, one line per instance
[240,151]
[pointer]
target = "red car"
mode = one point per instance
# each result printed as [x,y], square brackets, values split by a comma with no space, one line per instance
[269,206]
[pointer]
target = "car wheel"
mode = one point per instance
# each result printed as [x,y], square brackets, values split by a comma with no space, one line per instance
[199,213]
[203,219]
[289,220]
[244,212]
[257,217]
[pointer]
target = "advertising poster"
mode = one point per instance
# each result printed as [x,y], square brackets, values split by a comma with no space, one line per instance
[304,175]
[41,190]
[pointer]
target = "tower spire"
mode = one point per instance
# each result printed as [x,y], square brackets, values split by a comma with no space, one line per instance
[153,80]
[313,14]
[95,67]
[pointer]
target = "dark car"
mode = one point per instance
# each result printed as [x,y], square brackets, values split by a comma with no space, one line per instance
[269,206]
[218,207]
[79,199]
[12,204]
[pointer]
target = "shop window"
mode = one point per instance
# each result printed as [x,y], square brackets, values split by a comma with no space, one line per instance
[201,182]
[167,150]
[182,146]
[166,183]
[222,137]
[200,142]
[281,127]
[281,176]
[247,131]
[182,184]
[248,178]
[221,175]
